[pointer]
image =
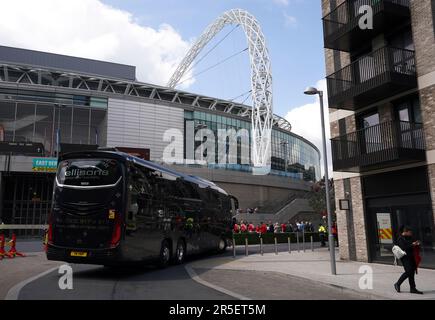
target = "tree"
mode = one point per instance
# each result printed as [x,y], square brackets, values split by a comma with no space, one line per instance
[317,197]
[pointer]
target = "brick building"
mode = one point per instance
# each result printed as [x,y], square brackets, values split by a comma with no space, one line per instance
[381,91]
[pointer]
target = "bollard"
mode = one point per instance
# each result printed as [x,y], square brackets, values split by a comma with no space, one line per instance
[12,253]
[276,246]
[297,240]
[289,245]
[246,247]
[234,247]
[261,245]
[312,245]
[303,240]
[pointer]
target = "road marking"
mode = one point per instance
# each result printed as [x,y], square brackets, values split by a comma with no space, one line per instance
[14,292]
[196,278]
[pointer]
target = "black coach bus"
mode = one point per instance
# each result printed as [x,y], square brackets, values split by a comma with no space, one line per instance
[111,208]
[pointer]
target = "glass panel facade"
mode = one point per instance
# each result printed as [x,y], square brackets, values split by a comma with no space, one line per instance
[291,155]
[43,122]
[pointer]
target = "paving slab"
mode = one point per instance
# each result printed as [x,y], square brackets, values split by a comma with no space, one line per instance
[316,266]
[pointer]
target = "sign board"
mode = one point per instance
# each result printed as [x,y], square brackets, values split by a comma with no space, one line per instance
[22,148]
[44,164]
[385,230]
[344,204]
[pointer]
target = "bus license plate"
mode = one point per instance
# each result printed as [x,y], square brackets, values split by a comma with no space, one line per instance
[79,254]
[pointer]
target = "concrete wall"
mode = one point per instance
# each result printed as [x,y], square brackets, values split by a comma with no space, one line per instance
[142,125]
[298,208]
[251,191]
[424,39]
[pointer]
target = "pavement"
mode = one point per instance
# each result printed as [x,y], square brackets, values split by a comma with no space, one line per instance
[315,266]
[287,276]
[14,271]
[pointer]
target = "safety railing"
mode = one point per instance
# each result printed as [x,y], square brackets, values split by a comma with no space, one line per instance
[346,15]
[290,241]
[387,65]
[385,142]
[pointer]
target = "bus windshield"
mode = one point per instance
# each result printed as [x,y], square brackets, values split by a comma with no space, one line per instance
[88,172]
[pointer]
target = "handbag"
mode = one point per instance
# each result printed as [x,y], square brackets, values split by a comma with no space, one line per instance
[398,253]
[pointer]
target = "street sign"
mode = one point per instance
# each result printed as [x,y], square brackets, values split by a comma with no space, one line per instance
[344,204]
[44,164]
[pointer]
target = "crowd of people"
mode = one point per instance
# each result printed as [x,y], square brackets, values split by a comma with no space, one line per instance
[248,227]
[297,226]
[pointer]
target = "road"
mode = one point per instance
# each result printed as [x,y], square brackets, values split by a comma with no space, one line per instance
[175,283]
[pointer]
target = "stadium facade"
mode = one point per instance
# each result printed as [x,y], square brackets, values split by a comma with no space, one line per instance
[52,104]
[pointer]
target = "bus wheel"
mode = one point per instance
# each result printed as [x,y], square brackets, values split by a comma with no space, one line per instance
[222,245]
[165,254]
[180,252]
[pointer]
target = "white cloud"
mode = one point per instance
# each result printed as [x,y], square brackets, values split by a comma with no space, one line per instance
[91,29]
[290,21]
[281,2]
[305,121]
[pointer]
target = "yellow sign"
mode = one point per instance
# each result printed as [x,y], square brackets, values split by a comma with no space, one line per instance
[111,214]
[79,254]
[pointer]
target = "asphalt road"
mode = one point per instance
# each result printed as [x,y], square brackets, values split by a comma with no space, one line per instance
[175,283]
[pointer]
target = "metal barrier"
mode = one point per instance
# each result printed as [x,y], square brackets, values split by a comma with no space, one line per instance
[23,226]
[253,239]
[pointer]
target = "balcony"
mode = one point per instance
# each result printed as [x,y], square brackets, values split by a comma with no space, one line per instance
[341,26]
[385,145]
[376,76]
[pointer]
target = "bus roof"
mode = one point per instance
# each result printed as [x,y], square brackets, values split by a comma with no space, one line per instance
[148,164]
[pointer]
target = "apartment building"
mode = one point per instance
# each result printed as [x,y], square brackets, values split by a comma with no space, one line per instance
[381,91]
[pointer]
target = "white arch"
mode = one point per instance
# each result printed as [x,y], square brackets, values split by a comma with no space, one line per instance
[261,78]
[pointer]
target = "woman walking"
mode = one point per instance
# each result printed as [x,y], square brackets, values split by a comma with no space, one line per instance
[406,243]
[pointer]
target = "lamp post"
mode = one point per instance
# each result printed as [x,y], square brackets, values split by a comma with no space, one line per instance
[313,91]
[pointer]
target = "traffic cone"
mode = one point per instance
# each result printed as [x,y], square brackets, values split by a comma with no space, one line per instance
[12,253]
[2,246]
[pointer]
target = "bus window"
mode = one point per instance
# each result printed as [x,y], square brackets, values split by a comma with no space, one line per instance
[88,172]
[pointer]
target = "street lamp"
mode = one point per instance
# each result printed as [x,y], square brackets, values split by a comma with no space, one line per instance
[311,92]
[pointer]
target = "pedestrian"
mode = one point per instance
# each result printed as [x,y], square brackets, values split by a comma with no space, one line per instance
[335,233]
[251,227]
[276,227]
[271,228]
[263,228]
[407,244]
[258,228]
[243,227]
[289,227]
[322,232]
[236,228]
[302,226]
[283,227]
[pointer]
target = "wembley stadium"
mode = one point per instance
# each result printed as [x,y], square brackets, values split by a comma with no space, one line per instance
[52,104]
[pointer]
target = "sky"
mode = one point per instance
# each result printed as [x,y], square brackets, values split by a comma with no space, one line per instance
[155,35]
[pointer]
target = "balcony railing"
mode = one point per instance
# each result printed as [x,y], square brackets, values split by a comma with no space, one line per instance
[387,144]
[340,23]
[378,75]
